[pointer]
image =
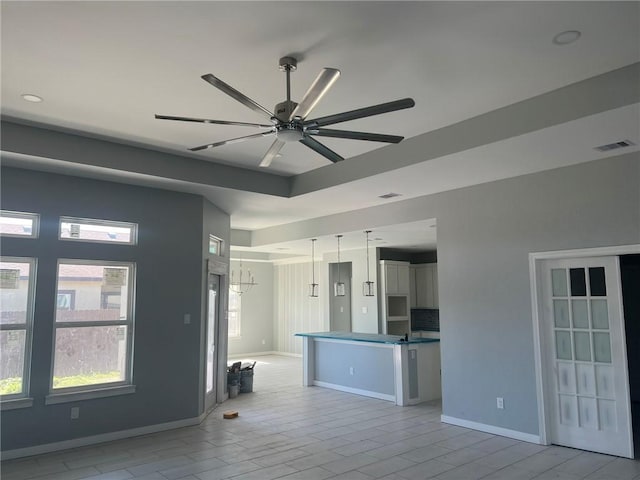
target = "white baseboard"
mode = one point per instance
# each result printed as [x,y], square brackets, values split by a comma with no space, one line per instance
[105,437]
[357,391]
[483,427]
[238,356]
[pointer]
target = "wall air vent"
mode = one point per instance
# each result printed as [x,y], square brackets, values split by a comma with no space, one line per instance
[613,146]
[390,195]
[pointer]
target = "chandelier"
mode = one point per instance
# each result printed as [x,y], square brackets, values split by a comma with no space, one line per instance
[243,282]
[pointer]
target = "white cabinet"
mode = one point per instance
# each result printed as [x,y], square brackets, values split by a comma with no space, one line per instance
[396,275]
[424,285]
[395,288]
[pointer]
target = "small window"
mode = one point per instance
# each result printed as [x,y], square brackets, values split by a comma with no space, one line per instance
[17,280]
[234,314]
[19,224]
[215,245]
[93,324]
[101,231]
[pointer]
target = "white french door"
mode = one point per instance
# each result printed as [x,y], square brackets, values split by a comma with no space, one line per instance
[584,354]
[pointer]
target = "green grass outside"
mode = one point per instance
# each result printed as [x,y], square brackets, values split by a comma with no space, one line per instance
[9,386]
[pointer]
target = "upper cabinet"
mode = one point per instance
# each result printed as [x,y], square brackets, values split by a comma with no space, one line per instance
[424,285]
[396,275]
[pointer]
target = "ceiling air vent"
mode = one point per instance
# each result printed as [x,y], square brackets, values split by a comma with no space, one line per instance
[613,146]
[390,195]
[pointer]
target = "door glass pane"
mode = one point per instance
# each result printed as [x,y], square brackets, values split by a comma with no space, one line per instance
[566,378]
[586,379]
[582,346]
[588,413]
[602,347]
[578,283]
[599,314]
[561,313]
[607,414]
[604,381]
[580,315]
[597,282]
[89,356]
[563,345]
[559,282]
[12,345]
[211,324]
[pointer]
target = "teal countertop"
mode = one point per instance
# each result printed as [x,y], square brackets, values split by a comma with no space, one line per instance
[368,337]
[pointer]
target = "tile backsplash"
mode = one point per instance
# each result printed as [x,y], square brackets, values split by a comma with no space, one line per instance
[427,319]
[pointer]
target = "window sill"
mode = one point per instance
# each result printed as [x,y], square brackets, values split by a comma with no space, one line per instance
[15,403]
[55,398]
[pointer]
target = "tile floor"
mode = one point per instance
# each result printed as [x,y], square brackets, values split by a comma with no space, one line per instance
[289,432]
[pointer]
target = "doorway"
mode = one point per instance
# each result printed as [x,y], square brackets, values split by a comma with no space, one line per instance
[213,310]
[581,358]
[340,307]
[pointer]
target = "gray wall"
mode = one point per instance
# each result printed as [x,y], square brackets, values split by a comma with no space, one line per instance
[485,234]
[256,317]
[167,356]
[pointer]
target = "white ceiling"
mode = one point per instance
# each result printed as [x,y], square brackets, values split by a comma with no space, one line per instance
[105,68]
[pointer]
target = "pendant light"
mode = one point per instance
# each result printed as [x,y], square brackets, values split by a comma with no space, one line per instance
[313,286]
[338,287]
[367,287]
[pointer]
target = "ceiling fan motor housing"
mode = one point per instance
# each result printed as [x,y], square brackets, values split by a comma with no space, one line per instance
[283,110]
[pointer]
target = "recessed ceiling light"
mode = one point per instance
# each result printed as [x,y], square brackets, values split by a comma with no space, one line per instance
[29,97]
[567,37]
[390,195]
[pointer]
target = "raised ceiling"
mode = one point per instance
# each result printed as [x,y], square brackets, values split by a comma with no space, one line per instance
[105,68]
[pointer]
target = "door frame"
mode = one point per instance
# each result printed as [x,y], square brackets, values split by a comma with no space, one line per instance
[535,261]
[218,267]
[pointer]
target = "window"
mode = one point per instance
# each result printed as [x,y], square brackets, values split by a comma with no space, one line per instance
[93,325]
[234,314]
[102,231]
[19,224]
[16,318]
[215,245]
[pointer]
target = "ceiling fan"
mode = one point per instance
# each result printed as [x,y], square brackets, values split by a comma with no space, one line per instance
[289,121]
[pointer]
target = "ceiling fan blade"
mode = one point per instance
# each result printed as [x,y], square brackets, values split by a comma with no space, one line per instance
[361,113]
[323,150]
[207,120]
[372,137]
[271,153]
[242,98]
[318,88]
[233,140]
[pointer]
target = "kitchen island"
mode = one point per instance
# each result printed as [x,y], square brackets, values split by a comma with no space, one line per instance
[387,367]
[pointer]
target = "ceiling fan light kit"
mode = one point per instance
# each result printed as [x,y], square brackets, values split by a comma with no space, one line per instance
[288,121]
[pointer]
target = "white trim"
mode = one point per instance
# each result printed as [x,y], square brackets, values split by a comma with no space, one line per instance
[587,252]
[262,354]
[483,427]
[534,259]
[15,403]
[357,391]
[105,437]
[65,397]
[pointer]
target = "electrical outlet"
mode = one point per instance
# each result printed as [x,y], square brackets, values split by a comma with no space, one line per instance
[264,342]
[351,370]
[365,309]
[500,403]
[75,413]
[187,318]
